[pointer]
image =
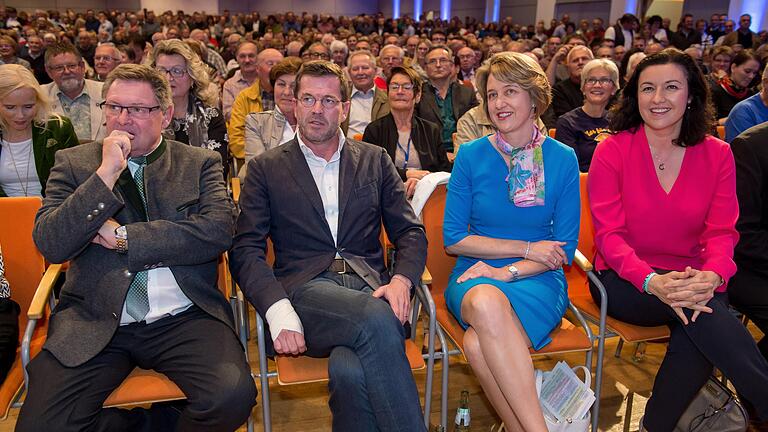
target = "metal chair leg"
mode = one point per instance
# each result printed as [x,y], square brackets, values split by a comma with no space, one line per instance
[628,411]
[263,377]
[619,346]
[639,354]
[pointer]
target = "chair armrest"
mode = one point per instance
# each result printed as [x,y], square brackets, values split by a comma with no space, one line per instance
[236,189]
[582,261]
[426,277]
[43,292]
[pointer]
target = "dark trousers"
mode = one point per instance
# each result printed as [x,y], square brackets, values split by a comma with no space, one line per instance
[370,381]
[716,339]
[748,293]
[196,351]
[9,335]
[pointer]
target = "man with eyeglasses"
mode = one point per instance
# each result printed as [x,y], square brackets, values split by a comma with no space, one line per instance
[444,100]
[389,56]
[106,58]
[322,199]
[367,102]
[743,35]
[142,221]
[467,63]
[316,51]
[72,95]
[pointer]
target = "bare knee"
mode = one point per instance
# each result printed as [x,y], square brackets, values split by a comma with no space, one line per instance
[485,307]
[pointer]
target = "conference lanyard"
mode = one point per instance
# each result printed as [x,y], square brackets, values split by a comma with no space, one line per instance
[406,151]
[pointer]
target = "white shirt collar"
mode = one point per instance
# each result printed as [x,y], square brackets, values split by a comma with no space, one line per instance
[370,92]
[309,153]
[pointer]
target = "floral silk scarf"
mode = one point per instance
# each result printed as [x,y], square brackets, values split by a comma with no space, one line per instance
[526,170]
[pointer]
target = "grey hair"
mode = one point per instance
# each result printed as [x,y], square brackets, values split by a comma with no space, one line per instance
[600,63]
[141,73]
[353,54]
[400,49]
[337,44]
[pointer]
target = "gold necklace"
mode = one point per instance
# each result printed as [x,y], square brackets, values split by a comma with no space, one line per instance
[24,185]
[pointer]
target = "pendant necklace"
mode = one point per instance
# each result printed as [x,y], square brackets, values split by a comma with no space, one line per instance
[24,185]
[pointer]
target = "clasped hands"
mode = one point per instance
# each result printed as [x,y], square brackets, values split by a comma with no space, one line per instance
[396,292]
[690,289]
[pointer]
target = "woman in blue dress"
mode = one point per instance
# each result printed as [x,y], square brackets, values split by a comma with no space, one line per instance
[513,227]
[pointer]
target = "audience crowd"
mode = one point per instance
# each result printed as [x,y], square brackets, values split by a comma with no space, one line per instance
[622,101]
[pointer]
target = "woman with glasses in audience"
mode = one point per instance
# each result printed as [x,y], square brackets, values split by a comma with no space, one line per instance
[737,85]
[268,129]
[30,134]
[197,119]
[584,127]
[721,57]
[663,198]
[412,142]
[513,227]
[9,49]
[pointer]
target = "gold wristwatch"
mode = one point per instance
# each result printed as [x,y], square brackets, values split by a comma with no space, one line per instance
[121,239]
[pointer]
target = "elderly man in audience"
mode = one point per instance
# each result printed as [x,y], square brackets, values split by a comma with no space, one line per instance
[142,221]
[367,102]
[258,97]
[243,78]
[390,56]
[322,199]
[71,94]
[35,55]
[339,52]
[750,112]
[106,58]
[566,94]
[210,55]
[316,51]
[467,65]
[443,100]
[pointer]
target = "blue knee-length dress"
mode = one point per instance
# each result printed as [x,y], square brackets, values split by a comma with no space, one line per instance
[478,204]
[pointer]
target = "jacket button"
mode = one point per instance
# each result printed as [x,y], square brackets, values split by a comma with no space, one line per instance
[95,212]
[127,273]
[101,206]
[146,266]
[114,315]
[89,217]
[160,264]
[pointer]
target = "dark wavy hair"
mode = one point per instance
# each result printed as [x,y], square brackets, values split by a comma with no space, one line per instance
[698,119]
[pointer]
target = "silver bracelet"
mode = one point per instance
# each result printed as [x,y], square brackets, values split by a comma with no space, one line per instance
[527,249]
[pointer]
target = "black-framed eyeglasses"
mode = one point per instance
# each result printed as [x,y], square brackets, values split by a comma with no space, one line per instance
[315,55]
[601,81]
[62,68]
[139,112]
[176,72]
[327,102]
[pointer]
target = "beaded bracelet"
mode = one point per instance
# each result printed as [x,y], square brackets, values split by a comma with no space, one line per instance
[647,281]
[527,249]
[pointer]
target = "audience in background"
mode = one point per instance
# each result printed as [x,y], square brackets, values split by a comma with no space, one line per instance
[736,86]
[105,58]
[750,112]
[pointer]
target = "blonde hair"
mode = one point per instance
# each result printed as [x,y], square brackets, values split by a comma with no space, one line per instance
[14,77]
[520,69]
[196,69]
[606,64]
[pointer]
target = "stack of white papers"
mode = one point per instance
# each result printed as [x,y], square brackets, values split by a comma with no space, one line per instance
[563,396]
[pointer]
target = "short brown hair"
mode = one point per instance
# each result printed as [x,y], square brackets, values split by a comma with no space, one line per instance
[322,68]
[512,67]
[59,48]
[286,66]
[411,74]
[142,73]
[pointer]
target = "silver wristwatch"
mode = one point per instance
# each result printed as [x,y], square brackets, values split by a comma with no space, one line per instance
[121,239]
[515,272]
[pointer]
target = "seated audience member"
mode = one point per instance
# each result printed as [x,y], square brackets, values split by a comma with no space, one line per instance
[736,86]
[105,58]
[633,60]
[566,94]
[325,295]
[9,49]
[367,102]
[747,289]
[268,129]
[443,100]
[72,95]
[743,36]
[316,51]
[258,97]
[665,234]
[467,65]
[508,289]
[623,32]
[197,120]
[141,285]
[35,55]
[390,56]
[720,64]
[244,77]
[9,324]
[30,134]
[585,127]
[750,112]
[413,143]
[339,52]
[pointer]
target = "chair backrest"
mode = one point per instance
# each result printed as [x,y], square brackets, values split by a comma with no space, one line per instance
[24,264]
[357,137]
[439,263]
[721,132]
[578,284]
[551,132]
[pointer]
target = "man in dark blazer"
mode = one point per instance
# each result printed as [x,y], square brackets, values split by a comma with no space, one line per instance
[444,100]
[322,199]
[142,221]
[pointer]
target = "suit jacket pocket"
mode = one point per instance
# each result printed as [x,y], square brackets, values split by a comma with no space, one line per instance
[367,192]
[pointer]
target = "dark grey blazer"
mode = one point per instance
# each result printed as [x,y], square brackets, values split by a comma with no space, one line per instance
[190,225]
[462,99]
[280,200]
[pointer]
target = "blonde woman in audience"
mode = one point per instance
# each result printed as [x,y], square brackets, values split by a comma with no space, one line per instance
[268,129]
[30,133]
[512,232]
[197,119]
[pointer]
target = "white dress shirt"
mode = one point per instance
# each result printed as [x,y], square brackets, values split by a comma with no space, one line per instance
[360,110]
[281,315]
[165,295]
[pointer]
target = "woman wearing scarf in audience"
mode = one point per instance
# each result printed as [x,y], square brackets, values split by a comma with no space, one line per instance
[268,129]
[413,143]
[513,227]
[30,134]
[735,87]
[197,119]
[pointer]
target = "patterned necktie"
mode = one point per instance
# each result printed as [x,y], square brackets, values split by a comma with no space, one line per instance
[137,300]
